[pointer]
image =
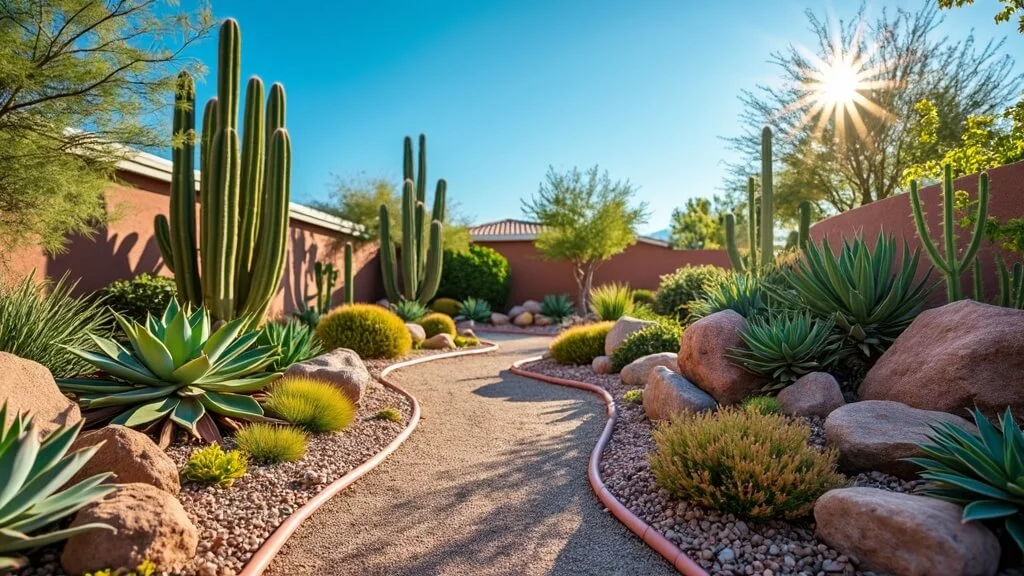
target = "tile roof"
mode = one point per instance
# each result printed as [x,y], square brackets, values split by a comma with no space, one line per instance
[512,229]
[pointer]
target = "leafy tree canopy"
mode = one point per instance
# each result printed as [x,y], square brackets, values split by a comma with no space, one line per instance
[695,227]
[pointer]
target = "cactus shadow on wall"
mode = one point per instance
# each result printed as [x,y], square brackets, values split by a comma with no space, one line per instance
[104,258]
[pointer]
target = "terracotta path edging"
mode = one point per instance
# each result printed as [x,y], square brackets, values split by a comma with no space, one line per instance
[683,563]
[479,329]
[261,559]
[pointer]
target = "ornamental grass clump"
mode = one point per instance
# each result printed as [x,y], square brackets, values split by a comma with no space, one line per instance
[313,405]
[660,337]
[581,344]
[611,301]
[743,462]
[437,323]
[212,465]
[369,330]
[741,293]
[677,290]
[271,444]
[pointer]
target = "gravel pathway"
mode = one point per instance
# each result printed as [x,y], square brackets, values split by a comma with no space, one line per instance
[493,481]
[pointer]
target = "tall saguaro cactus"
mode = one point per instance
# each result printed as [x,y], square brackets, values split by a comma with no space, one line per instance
[761,237]
[421,239]
[349,288]
[244,191]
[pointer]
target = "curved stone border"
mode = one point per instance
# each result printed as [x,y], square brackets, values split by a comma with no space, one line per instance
[261,559]
[645,531]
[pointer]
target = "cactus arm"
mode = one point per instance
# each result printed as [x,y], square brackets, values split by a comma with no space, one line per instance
[1018,285]
[161,230]
[422,224]
[730,242]
[432,279]
[767,209]
[752,224]
[409,243]
[228,74]
[804,232]
[407,169]
[222,224]
[251,184]
[349,288]
[181,238]
[981,217]
[318,281]
[979,290]
[922,231]
[273,236]
[388,267]
[421,242]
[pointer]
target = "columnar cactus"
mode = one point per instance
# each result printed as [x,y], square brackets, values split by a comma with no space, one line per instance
[244,193]
[349,286]
[325,275]
[421,241]
[763,235]
[952,264]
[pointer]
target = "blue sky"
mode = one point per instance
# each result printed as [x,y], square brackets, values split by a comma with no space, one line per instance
[502,89]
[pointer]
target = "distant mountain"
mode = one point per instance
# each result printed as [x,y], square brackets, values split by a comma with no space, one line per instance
[664,234]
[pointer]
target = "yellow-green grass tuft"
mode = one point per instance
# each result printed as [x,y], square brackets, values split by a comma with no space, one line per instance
[580,345]
[311,404]
[270,444]
[390,414]
[370,330]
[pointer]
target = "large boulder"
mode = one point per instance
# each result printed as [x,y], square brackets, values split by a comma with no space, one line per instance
[601,365]
[953,358]
[499,319]
[416,331]
[150,523]
[904,534]
[27,387]
[702,357]
[878,435]
[814,394]
[623,327]
[440,341]
[524,319]
[668,394]
[532,306]
[130,455]
[341,367]
[638,371]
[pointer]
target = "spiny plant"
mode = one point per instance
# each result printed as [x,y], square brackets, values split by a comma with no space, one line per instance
[324,275]
[32,472]
[785,346]
[421,239]
[611,301]
[212,465]
[245,191]
[176,371]
[580,344]
[742,293]
[557,307]
[294,341]
[475,309]
[371,331]
[409,310]
[145,568]
[313,405]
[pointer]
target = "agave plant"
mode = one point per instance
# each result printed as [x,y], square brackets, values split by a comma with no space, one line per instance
[409,310]
[32,470]
[294,341]
[784,347]
[742,293]
[984,472]
[475,309]
[176,369]
[308,316]
[557,307]
[871,303]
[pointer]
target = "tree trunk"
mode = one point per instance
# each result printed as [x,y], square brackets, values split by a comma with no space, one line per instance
[585,281]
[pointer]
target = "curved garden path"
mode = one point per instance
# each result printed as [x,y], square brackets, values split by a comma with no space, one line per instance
[493,481]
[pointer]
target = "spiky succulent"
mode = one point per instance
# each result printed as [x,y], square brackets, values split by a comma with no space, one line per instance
[557,307]
[177,369]
[409,310]
[32,471]
[308,316]
[784,347]
[475,309]
[742,293]
[294,340]
[984,473]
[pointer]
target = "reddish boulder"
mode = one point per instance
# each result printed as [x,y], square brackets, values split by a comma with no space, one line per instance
[28,387]
[814,394]
[953,358]
[702,357]
[130,455]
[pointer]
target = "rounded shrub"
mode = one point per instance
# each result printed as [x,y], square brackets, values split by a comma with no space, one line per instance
[660,337]
[449,306]
[311,404]
[369,330]
[644,297]
[479,272]
[743,462]
[140,296]
[581,344]
[437,323]
[212,465]
[762,404]
[635,396]
[270,444]
[689,283]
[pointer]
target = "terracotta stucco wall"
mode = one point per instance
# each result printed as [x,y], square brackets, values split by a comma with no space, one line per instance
[127,247]
[893,216]
[641,265]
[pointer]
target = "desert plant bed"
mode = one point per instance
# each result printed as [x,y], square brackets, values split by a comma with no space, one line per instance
[719,542]
[235,522]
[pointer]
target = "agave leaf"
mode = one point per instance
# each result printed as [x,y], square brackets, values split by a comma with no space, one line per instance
[969,484]
[193,370]
[46,483]
[232,405]
[237,347]
[1015,528]
[178,338]
[992,438]
[955,496]
[988,509]
[170,312]
[141,394]
[117,353]
[155,355]
[200,323]
[253,383]
[146,413]
[13,562]
[52,537]
[16,464]
[1013,446]
[187,413]
[91,385]
[219,341]
[65,502]
[54,447]
[115,368]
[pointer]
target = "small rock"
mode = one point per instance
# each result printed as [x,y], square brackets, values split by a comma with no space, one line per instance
[602,365]
[532,306]
[341,367]
[638,371]
[467,333]
[668,394]
[623,327]
[440,341]
[498,319]
[814,394]
[524,319]
[417,332]
[726,555]
[542,320]
[464,325]
[516,311]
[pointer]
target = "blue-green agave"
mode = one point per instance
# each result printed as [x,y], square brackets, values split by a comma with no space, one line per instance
[984,472]
[785,346]
[176,368]
[475,309]
[32,471]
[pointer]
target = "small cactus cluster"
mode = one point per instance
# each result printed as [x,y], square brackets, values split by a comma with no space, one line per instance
[421,238]
[325,276]
[244,193]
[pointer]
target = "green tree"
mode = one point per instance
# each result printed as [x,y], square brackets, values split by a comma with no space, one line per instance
[586,219]
[77,76]
[694,227]
[895,60]
[1009,8]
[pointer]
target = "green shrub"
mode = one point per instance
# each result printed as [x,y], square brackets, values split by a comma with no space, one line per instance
[139,297]
[745,463]
[984,472]
[660,337]
[557,307]
[475,309]
[742,293]
[390,414]
[581,344]
[437,323]
[295,340]
[645,312]
[480,272]
[212,465]
[689,283]
[785,346]
[270,444]
[369,330]
[642,296]
[762,404]
[409,310]
[634,396]
[611,301]
[466,341]
[38,321]
[449,306]
[313,405]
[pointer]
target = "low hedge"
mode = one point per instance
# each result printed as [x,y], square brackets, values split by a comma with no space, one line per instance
[689,283]
[478,272]
[370,330]
[580,345]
